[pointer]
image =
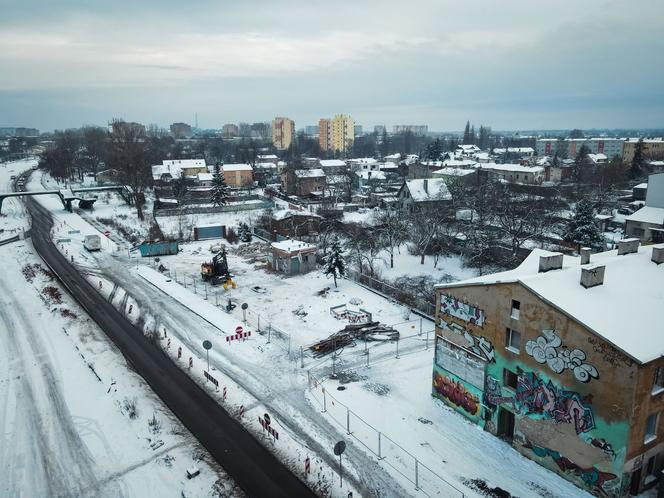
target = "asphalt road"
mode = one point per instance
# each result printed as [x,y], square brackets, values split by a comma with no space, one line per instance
[252,466]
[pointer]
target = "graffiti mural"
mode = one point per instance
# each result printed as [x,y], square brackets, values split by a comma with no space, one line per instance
[456,393]
[463,311]
[548,349]
[591,476]
[536,396]
[493,395]
[479,345]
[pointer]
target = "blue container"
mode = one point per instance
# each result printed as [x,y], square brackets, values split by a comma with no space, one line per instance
[158,248]
[209,232]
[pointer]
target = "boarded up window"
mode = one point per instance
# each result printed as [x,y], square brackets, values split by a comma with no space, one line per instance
[460,362]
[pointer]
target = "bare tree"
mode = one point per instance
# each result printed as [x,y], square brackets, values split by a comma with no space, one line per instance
[128,152]
[392,228]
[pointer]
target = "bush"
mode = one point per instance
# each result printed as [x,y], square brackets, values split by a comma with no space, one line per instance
[231,236]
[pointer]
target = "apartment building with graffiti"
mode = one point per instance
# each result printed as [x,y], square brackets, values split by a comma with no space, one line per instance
[564,358]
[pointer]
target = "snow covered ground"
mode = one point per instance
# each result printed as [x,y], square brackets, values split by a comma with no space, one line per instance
[75,420]
[392,395]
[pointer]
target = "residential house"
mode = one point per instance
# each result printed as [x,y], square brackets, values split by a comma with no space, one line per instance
[423,195]
[303,182]
[292,257]
[457,175]
[332,166]
[648,222]
[515,173]
[563,357]
[238,175]
[368,180]
[598,158]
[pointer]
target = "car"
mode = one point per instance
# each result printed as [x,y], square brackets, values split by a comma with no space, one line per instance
[625,211]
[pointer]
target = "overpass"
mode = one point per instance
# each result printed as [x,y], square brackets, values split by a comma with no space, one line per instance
[69,195]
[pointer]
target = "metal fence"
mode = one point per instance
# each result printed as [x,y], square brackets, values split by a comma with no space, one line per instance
[381,445]
[424,306]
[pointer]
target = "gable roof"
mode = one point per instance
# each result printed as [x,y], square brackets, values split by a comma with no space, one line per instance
[626,310]
[309,173]
[430,189]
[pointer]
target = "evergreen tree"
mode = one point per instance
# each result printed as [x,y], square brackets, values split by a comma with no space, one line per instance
[582,229]
[334,262]
[635,168]
[220,191]
[244,232]
[473,137]
[466,133]
[581,163]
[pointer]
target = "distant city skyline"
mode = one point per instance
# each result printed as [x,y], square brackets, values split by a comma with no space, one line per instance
[511,66]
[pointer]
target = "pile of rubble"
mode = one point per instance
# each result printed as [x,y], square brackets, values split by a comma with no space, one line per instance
[372,331]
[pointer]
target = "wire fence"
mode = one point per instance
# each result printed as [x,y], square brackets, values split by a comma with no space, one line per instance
[385,448]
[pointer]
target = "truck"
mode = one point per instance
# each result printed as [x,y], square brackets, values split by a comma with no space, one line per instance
[92,242]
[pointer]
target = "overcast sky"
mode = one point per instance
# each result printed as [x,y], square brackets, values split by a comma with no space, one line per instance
[510,64]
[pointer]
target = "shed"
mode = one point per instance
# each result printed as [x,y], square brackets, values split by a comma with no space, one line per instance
[292,257]
[211,231]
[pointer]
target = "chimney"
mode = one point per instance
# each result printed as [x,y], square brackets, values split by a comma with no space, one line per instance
[585,255]
[658,254]
[592,276]
[426,185]
[553,261]
[628,246]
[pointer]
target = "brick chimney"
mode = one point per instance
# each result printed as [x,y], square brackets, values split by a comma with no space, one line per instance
[585,255]
[552,261]
[592,276]
[628,246]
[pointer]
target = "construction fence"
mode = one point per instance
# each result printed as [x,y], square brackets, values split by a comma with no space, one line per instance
[385,448]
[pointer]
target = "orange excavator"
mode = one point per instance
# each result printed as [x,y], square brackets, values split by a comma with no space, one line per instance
[216,271]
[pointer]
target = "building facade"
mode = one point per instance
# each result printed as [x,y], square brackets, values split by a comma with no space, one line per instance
[181,130]
[230,130]
[569,147]
[547,357]
[336,134]
[653,148]
[283,132]
[238,175]
[414,129]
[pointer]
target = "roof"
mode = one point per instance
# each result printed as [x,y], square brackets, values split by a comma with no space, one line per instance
[453,172]
[185,163]
[648,214]
[515,168]
[309,173]
[371,175]
[266,166]
[436,190]
[332,163]
[293,246]
[236,167]
[205,177]
[597,157]
[625,310]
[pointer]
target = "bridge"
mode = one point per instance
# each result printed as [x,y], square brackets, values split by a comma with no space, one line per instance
[69,195]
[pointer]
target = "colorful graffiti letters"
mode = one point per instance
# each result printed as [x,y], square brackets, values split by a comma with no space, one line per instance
[463,311]
[456,393]
[592,477]
[479,345]
[557,404]
[548,349]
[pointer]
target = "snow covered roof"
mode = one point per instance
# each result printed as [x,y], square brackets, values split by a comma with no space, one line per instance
[332,163]
[265,166]
[648,214]
[431,189]
[236,167]
[396,156]
[515,168]
[293,246]
[388,166]
[468,147]
[456,163]
[184,163]
[453,172]
[625,310]
[204,177]
[597,157]
[309,173]
[371,175]
[267,157]
[287,213]
[364,160]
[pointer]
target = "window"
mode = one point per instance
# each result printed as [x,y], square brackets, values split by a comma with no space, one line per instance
[651,427]
[513,340]
[516,308]
[510,379]
[658,385]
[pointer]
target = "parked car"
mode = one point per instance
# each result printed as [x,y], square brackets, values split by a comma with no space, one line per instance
[625,211]
[92,242]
